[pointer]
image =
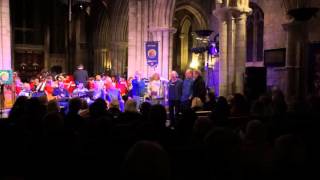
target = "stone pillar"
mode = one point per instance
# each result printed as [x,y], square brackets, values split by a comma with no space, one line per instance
[240,52]
[297,39]
[134,40]
[5,36]
[231,50]
[223,41]
[184,51]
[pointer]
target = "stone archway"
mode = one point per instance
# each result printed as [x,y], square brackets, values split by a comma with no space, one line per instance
[101,51]
[110,38]
[119,37]
[187,19]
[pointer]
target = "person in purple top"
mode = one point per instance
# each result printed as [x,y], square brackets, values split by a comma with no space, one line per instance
[112,93]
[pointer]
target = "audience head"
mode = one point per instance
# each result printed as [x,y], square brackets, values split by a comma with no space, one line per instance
[75,105]
[18,108]
[147,160]
[145,108]
[196,103]
[130,106]
[53,106]
[221,111]
[114,104]
[98,108]
[256,132]
[158,115]
[239,105]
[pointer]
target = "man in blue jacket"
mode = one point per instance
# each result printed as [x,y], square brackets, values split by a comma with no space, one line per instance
[138,89]
[187,90]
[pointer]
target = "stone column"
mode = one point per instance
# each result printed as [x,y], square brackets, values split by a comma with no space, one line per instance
[164,36]
[240,52]
[231,50]
[5,36]
[297,39]
[223,41]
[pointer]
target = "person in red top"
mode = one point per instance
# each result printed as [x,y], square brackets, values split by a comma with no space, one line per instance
[18,85]
[49,86]
[69,83]
[122,86]
[91,83]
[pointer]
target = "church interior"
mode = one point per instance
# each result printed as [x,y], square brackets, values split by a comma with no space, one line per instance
[259,49]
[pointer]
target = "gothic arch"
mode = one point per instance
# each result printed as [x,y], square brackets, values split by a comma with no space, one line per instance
[163,14]
[255,30]
[101,24]
[119,36]
[188,18]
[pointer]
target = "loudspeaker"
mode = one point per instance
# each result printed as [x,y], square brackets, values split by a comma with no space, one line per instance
[255,82]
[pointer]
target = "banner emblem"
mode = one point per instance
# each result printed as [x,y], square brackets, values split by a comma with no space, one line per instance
[152,53]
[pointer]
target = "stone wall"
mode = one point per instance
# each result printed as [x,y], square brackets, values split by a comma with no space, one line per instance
[276,37]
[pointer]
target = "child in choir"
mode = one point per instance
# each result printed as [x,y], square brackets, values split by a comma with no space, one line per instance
[26,90]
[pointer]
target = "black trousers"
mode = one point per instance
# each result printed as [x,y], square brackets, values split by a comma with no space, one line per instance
[174,109]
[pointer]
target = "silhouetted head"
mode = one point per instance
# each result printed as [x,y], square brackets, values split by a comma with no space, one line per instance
[145,108]
[158,115]
[130,106]
[98,108]
[147,160]
[75,105]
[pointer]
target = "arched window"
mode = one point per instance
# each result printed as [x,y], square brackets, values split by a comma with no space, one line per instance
[255,27]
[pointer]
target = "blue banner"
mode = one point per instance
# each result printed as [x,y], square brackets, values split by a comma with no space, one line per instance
[152,53]
[6,76]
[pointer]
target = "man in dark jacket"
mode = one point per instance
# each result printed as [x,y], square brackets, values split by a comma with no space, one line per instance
[80,75]
[174,96]
[199,86]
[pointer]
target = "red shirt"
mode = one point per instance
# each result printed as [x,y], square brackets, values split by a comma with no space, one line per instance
[122,86]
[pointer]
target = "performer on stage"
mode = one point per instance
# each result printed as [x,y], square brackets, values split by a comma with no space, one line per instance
[187,90]
[61,94]
[81,75]
[174,96]
[26,90]
[98,91]
[112,93]
[138,89]
[69,83]
[40,87]
[156,89]
[80,91]
[199,86]
[122,86]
